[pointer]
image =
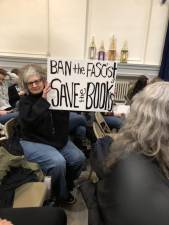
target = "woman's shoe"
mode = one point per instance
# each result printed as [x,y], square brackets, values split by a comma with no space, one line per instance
[71,200]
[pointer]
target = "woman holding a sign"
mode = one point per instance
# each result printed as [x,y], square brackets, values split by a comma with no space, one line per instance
[44,135]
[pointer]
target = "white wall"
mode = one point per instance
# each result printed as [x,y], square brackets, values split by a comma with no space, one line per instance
[24,27]
[156,33]
[67,20]
[63,28]
[141,22]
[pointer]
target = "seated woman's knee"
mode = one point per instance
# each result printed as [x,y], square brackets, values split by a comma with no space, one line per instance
[59,163]
[79,159]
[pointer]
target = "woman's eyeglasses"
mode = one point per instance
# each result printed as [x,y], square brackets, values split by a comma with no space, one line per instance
[36,82]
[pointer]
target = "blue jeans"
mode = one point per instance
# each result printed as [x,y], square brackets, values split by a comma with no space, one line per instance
[63,165]
[113,122]
[77,124]
[5,118]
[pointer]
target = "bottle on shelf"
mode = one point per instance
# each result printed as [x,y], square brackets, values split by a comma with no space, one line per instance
[101,52]
[124,53]
[112,50]
[92,49]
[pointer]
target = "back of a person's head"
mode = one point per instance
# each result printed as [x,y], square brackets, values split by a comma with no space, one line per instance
[16,71]
[146,128]
[139,85]
[3,72]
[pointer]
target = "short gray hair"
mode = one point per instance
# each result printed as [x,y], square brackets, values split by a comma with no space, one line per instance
[146,128]
[32,69]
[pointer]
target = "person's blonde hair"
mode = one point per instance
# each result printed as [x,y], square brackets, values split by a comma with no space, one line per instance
[146,128]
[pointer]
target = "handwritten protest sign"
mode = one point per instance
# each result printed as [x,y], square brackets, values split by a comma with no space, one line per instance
[81,85]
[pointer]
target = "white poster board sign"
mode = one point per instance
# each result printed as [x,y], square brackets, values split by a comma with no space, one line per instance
[81,85]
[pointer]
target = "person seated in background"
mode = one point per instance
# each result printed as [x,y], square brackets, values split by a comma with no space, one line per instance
[16,90]
[6,115]
[133,186]
[78,131]
[44,135]
[6,80]
[141,82]
[113,120]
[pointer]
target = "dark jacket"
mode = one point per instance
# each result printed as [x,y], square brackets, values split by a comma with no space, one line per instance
[15,171]
[13,95]
[134,191]
[40,124]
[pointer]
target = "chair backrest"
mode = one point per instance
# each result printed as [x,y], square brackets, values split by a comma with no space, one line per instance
[8,127]
[97,130]
[127,100]
[2,134]
[102,123]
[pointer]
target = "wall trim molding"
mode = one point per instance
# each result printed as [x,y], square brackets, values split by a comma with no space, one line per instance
[125,70]
[135,70]
[9,62]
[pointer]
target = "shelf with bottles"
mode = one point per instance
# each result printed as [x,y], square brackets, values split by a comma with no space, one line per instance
[111,54]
